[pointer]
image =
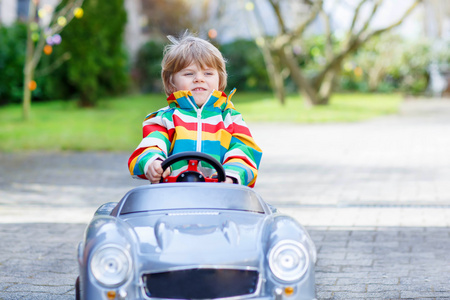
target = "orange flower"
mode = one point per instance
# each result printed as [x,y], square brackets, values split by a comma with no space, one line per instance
[32,85]
[212,33]
[48,49]
[358,71]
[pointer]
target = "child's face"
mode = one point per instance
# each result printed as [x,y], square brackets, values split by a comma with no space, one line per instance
[201,82]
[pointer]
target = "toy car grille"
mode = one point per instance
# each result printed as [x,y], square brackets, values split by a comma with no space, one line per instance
[201,283]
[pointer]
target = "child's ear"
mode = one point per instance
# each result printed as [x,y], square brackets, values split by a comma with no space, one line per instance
[172,86]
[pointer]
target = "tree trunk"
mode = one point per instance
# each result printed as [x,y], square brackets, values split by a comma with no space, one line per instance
[273,69]
[85,100]
[318,90]
[327,85]
[274,73]
[277,81]
[28,70]
[375,76]
[26,101]
[304,86]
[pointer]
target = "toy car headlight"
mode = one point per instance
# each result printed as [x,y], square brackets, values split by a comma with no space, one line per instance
[288,260]
[111,265]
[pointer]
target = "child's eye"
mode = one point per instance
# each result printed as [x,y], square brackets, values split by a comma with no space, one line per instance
[188,73]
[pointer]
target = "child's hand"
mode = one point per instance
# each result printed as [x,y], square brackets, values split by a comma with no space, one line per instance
[229,180]
[155,172]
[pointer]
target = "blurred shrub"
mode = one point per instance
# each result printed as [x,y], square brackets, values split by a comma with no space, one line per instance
[310,53]
[410,73]
[12,59]
[98,65]
[388,63]
[147,70]
[245,66]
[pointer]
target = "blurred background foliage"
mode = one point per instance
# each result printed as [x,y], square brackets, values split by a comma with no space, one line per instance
[147,70]
[95,64]
[12,59]
[245,66]
[385,65]
[99,65]
[389,64]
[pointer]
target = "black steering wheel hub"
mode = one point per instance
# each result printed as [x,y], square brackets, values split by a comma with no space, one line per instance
[191,176]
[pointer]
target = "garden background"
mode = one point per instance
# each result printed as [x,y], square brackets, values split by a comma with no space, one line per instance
[92,78]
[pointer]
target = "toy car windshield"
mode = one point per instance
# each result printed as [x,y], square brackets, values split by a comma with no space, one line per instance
[200,196]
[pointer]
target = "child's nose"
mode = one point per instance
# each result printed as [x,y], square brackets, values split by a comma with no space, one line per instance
[199,77]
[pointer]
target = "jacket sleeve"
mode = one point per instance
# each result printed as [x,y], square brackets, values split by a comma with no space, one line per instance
[155,144]
[242,159]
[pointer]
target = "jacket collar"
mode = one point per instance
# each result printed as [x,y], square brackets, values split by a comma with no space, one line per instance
[185,100]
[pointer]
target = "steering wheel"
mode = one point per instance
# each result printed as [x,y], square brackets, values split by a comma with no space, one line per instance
[192,174]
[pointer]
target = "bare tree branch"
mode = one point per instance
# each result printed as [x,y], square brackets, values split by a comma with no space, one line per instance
[357,42]
[66,12]
[316,8]
[399,21]
[356,15]
[277,10]
[55,64]
[288,38]
[34,52]
[273,69]
[370,18]
[328,35]
[317,90]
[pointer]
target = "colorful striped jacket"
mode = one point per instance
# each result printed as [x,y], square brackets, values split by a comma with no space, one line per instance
[216,129]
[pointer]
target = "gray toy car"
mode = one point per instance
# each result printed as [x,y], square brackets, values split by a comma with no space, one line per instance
[194,240]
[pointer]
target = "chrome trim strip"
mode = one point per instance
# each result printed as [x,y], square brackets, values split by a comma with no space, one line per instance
[195,213]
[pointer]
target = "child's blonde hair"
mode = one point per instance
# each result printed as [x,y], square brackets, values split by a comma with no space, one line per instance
[186,50]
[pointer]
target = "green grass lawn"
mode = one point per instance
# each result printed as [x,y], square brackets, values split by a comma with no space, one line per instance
[115,125]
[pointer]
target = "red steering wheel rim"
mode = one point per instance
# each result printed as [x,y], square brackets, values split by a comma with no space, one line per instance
[197,156]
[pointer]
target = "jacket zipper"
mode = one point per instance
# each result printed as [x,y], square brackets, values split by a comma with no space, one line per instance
[199,129]
[199,122]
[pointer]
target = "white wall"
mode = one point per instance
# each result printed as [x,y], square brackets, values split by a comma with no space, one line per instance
[8,11]
[134,38]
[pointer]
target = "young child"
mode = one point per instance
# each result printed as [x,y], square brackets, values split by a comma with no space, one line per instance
[199,117]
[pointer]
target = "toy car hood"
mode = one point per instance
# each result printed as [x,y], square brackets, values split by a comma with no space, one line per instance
[182,237]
